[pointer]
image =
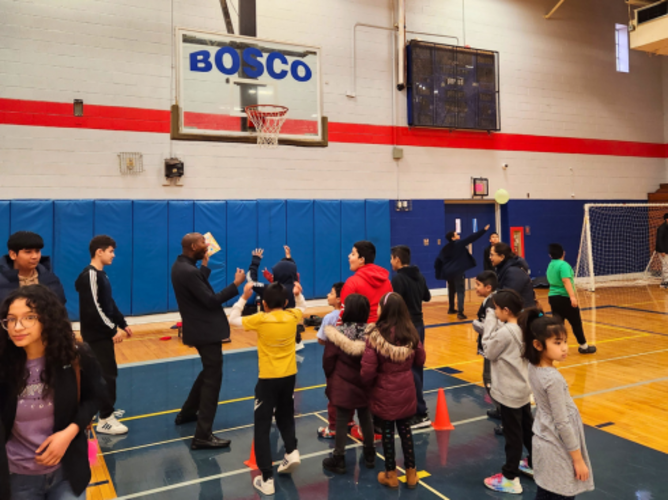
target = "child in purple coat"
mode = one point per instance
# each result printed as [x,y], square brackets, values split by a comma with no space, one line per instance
[392,348]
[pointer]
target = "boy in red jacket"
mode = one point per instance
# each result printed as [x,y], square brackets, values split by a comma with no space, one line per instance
[369,280]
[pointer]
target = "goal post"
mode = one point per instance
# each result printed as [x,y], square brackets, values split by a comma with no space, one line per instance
[617,245]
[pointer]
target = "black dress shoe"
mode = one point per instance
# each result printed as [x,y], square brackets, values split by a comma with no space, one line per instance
[184,419]
[450,311]
[498,430]
[210,443]
[461,316]
[495,414]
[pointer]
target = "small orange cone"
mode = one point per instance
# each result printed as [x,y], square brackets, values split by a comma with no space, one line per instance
[251,463]
[442,420]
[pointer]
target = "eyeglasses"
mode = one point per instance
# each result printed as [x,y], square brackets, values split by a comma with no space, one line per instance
[26,321]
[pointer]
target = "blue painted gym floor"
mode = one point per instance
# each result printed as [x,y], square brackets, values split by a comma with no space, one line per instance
[154,460]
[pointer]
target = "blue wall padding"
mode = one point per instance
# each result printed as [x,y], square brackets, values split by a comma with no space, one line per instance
[114,218]
[300,240]
[35,216]
[425,221]
[327,222]
[181,222]
[73,223]
[241,237]
[271,231]
[378,230]
[4,226]
[211,217]
[353,228]
[150,279]
[558,221]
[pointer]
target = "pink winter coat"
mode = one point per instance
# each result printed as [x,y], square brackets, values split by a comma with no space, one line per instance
[386,372]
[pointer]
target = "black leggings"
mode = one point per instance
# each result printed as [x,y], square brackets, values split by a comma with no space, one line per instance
[406,436]
[542,494]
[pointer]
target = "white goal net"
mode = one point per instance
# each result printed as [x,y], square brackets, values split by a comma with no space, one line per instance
[617,246]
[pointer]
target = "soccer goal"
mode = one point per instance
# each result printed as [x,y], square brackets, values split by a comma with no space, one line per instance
[617,245]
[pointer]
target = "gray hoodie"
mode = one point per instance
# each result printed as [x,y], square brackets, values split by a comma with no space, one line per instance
[510,373]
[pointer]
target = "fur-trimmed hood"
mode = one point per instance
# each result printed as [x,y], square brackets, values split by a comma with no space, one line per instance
[349,337]
[396,354]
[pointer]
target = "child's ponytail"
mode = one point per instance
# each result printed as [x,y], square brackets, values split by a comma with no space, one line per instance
[536,326]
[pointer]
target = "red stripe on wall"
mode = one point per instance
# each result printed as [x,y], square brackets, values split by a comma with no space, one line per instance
[54,114]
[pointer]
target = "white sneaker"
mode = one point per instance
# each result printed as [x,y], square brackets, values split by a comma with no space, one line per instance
[119,413]
[111,426]
[290,463]
[299,347]
[264,487]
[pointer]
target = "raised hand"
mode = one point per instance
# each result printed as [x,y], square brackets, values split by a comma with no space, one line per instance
[297,290]
[258,252]
[288,254]
[486,227]
[248,291]
[239,277]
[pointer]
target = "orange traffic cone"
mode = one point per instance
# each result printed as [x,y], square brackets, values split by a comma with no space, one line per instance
[442,420]
[251,463]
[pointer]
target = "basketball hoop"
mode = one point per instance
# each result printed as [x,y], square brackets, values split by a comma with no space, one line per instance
[267,120]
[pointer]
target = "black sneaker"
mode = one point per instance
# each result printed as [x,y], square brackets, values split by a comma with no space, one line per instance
[498,430]
[591,349]
[335,464]
[495,414]
[450,311]
[461,316]
[419,421]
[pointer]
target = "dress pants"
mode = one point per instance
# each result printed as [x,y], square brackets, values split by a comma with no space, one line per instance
[456,285]
[203,397]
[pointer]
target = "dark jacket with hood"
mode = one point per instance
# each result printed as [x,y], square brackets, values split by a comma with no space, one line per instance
[99,316]
[455,259]
[342,363]
[9,278]
[386,371]
[662,238]
[373,282]
[67,410]
[411,285]
[512,274]
[204,320]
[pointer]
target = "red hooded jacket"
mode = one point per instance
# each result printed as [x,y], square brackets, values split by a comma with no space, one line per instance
[373,282]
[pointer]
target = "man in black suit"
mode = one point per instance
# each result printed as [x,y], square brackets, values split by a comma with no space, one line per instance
[205,325]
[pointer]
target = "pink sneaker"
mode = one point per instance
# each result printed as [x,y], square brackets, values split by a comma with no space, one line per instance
[500,483]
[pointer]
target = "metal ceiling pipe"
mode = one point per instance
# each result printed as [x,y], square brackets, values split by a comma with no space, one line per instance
[401,46]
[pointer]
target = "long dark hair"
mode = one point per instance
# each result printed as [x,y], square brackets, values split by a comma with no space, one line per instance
[57,336]
[536,326]
[355,309]
[394,323]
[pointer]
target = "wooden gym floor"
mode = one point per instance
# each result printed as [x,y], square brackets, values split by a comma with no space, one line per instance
[621,390]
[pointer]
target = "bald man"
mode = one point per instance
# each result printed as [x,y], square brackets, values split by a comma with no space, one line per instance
[205,327]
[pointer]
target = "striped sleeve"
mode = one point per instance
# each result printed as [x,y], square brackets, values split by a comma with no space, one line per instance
[93,288]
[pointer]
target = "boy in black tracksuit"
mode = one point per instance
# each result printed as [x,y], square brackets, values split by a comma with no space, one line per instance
[100,321]
[411,285]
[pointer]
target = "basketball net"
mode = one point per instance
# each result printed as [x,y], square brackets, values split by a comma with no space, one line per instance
[267,120]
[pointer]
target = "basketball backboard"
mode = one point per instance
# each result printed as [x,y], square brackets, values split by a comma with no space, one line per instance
[218,75]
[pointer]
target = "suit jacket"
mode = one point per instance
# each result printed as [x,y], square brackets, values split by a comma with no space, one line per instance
[67,410]
[204,320]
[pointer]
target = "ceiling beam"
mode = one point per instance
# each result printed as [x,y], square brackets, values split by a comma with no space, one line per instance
[554,9]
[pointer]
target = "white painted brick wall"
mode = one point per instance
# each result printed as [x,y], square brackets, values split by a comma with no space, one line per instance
[558,78]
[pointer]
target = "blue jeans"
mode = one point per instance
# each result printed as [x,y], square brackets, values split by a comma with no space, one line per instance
[50,486]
